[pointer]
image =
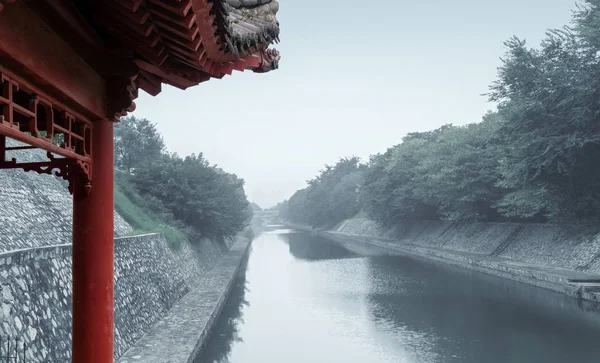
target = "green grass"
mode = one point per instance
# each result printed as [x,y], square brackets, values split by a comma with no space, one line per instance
[135,210]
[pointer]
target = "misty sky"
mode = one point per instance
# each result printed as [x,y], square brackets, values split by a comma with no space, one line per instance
[355,77]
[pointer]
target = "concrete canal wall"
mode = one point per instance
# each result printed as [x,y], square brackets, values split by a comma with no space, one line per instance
[560,258]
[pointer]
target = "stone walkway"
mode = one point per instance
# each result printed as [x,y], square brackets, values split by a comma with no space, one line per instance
[181,334]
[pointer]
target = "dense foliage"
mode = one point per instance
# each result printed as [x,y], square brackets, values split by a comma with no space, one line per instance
[187,192]
[533,160]
[137,142]
[330,198]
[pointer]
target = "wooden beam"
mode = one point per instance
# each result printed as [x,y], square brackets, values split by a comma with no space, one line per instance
[39,143]
[180,9]
[169,77]
[33,51]
[150,83]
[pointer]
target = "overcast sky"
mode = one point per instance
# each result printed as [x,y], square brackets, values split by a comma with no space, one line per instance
[355,76]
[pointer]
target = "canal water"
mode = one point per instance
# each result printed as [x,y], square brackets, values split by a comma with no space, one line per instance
[303,299]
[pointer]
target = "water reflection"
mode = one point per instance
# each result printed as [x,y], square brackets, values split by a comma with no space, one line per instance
[311,300]
[315,248]
[470,317]
[226,332]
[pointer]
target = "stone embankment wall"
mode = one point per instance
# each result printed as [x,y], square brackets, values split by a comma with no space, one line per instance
[149,279]
[37,210]
[540,244]
[35,268]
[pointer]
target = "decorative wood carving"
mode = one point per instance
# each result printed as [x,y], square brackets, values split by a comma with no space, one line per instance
[121,94]
[75,172]
[35,120]
[41,123]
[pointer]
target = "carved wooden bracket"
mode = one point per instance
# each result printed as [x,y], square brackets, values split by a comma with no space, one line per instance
[76,172]
[122,75]
[122,94]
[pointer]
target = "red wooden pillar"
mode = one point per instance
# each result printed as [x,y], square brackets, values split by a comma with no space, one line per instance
[93,255]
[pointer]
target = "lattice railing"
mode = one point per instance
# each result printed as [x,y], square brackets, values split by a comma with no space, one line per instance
[33,119]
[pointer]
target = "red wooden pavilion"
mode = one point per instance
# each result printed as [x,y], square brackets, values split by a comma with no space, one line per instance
[70,68]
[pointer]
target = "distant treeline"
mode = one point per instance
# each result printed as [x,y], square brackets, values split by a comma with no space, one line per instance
[536,159]
[188,192]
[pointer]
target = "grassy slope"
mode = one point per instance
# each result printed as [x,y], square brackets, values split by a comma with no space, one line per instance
[132,207]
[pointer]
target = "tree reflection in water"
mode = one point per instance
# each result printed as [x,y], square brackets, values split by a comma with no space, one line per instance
[315,248]
[450,315]
[225,333]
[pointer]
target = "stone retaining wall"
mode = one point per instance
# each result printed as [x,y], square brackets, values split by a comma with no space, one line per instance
[149,279]
[541,244]
[182,334]
[36,214]
[37,210]
[36,302]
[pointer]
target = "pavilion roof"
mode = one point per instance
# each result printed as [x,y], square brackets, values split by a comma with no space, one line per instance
[98,53]
[185,42]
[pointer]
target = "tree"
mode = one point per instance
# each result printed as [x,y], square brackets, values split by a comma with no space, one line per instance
[204,197]
[534,160]
[255,207]
[458,171]
[137,142]
[187,192]
[550,101]
[330,197]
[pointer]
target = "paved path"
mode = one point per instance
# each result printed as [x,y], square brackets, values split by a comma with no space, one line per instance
[180,335]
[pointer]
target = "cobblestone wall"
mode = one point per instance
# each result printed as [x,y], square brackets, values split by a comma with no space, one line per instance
[36,210]
[35,267]
[148,282]
[549,245]
[149,279]
[36,301]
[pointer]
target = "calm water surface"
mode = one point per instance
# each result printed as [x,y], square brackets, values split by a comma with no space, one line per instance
[303,299]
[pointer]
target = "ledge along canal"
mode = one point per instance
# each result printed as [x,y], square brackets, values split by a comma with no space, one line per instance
[302,298]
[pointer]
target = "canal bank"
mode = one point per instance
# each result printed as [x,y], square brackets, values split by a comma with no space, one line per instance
[181,334]
[566,263]
[305,298]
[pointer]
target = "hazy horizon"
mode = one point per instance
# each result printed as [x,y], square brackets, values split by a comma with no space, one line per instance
[348,84]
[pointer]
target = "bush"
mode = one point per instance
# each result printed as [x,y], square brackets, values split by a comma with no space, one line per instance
[133,208]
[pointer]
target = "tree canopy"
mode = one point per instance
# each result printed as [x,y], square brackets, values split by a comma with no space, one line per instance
[189,191]
[532,160]
[137,142]
[330,197]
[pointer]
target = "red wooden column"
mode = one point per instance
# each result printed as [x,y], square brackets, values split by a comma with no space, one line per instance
[93,255]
